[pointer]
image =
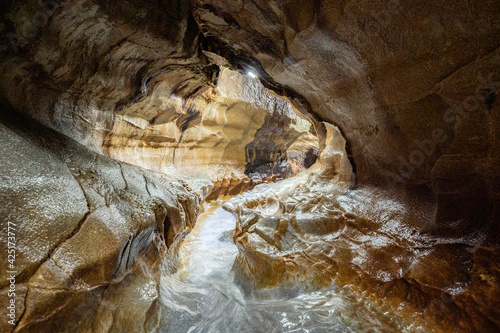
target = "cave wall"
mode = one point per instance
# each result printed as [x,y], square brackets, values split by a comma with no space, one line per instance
[223,133]
[91,232]
[144,91]
[410,86]
[408,83]
[382,72]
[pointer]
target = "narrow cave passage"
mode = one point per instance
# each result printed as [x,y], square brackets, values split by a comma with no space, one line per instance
[203,295]
[172,166]
[240,240]
[212,287]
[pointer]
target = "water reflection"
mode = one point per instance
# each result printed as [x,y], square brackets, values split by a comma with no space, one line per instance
[202,296]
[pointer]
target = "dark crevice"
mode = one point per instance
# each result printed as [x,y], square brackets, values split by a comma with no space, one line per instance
[183,125]
[167,224]
[123,176]
[146,185]
[124,256]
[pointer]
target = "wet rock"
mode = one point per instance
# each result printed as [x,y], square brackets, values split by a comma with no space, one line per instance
[151,96]
[401,202]
[96,241]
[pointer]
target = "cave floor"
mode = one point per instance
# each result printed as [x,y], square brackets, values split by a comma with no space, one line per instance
[202,296]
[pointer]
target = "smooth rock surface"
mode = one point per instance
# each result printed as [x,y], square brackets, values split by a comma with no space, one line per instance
[402,203]
[91,232]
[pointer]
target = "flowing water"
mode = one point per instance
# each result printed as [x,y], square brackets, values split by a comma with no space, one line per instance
[203,297]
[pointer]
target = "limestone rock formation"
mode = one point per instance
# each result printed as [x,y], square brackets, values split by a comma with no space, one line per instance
[412,87]
[392,105]
[91,233]
[155,103]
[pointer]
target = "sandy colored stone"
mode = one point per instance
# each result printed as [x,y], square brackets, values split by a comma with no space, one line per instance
[403,207]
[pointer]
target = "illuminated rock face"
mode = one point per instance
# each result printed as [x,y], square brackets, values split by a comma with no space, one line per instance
[91,233]
[226,133]
[153,102]
[411,87]
[401,204]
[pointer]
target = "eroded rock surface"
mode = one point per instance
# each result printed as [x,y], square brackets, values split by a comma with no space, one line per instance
[91,233]
[402,204]
[156,102]
[411,86]
[315,229]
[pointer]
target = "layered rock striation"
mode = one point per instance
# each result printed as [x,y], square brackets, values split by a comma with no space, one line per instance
[156,102]
[412,87]
[397,99]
